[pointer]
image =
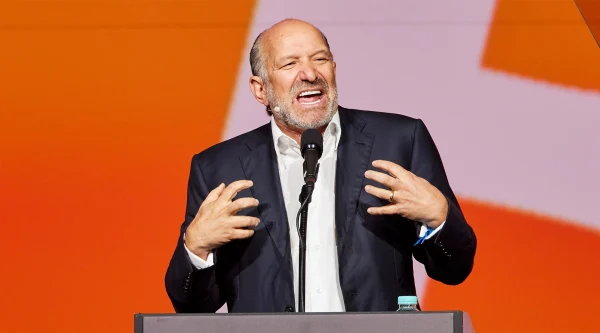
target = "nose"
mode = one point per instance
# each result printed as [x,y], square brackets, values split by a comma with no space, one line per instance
[308,73]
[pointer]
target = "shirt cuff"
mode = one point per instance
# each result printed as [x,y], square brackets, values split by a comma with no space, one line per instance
[435,231]
[198,262]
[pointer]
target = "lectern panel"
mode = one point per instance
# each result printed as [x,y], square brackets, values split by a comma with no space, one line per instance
[389,322]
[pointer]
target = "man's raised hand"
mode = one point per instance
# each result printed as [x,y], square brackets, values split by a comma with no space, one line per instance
[216,222]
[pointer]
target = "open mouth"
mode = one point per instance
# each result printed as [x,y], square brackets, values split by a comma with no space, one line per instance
[310,97]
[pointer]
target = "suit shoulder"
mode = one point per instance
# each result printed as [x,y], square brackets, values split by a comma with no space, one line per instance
[384,119]
[231,148]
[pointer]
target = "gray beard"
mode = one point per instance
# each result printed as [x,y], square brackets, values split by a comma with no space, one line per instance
[295,122]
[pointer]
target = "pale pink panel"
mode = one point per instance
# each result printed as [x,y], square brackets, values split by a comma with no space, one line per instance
[503,139]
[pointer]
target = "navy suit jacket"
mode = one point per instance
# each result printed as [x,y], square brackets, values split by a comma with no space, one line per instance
[375,253]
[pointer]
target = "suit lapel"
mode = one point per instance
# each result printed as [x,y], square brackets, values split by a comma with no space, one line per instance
[261,167]
[354,151]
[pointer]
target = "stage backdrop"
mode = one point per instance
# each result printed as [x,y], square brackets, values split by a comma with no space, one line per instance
[103,103]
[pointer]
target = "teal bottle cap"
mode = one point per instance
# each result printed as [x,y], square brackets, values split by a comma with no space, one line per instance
[407,300]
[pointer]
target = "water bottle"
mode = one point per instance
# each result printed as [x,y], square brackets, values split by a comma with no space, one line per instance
[407,303]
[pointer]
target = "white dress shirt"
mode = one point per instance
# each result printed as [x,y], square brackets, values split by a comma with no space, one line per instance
[323,291]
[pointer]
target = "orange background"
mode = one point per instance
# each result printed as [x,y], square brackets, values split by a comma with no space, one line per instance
[102,105]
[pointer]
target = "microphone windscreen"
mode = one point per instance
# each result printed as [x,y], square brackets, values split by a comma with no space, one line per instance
[312,137]
[276,109]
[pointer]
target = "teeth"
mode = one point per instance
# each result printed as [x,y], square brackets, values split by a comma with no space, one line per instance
[309,93]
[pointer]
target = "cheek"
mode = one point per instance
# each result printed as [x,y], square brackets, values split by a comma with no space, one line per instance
[329,76]
[283,83]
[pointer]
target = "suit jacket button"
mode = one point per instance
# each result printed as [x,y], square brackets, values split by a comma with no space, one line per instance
[289,309]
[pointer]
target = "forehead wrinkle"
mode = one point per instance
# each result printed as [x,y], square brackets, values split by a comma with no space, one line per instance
[276,34]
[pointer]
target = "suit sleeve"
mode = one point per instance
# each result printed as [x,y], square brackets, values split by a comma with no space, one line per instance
[191,289]
[449,255]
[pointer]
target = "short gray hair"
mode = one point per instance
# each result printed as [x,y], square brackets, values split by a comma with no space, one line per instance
[257,61]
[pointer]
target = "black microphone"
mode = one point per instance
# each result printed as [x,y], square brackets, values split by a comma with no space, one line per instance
[312,149]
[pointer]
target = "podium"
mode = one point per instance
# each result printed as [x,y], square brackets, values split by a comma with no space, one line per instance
[348,322]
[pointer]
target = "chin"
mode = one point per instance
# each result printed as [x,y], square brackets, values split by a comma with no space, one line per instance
[314,118]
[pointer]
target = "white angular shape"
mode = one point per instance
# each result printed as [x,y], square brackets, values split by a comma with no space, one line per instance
[503,139]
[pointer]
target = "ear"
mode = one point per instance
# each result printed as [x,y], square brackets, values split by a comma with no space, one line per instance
[257,86]
[334,72]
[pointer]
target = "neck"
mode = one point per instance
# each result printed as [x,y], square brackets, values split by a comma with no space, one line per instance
[295,133]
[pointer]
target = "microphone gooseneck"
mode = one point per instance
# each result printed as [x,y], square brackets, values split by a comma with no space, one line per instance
[311,144]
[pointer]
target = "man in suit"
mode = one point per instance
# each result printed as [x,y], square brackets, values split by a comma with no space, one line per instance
[381,197]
